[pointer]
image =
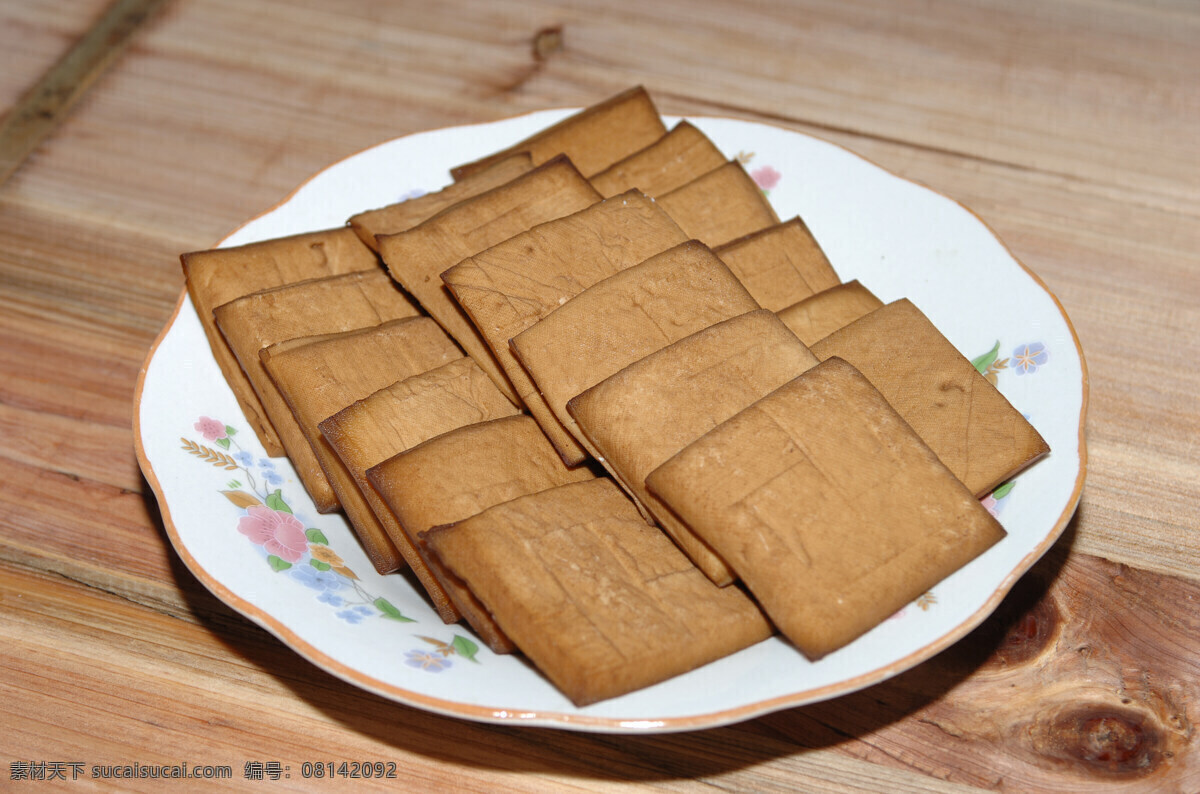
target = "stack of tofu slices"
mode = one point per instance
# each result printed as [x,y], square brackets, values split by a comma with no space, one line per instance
[612,411]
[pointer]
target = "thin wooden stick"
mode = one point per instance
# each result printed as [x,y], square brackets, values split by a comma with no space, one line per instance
[48,101]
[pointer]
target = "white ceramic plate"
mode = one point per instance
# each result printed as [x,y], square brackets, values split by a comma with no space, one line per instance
[247,530]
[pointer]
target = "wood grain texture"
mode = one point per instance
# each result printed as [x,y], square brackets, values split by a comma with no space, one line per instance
[1068,126]
[48,101]
[1035,699]
[33,38]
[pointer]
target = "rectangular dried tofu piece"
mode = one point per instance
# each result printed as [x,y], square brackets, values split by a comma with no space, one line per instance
[963,418]
[220,275]
[650,410]
[683,154]
[319,376]
[458,474]
[781,264]
[399,417]
[594,138]
[830,508]
[417,257]
[306,308]
[403,215]
[720,206]
[817,316]
[602,603]
[510,286]
[624,318]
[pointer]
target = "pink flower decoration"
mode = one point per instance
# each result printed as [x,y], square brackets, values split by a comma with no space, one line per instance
[766,177]
[210,428]
[278,532]
[989,504]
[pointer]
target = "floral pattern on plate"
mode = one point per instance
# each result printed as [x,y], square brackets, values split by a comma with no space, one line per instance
[1026,358]
[304,553]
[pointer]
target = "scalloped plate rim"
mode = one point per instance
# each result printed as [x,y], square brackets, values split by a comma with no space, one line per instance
[578,721]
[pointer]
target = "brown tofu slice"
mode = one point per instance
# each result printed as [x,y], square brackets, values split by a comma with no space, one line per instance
[416,258]
[650,410]
[817,316]
[306,308]
[220,275]
[403,215]
[830,508]
[594,138]
[510,286]
[461,473]
[602,603]
[976,432]
[781,264]
[318,376]
[720,206]
[683,154]
[400,416]
[624,318]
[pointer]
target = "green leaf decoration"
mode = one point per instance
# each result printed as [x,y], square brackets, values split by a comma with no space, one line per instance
[241,498]
[230,431]
[389,611]
[278,563]
[320,566]
[465,648]
[1003,490]
[233,485]
[275,502]
[315,535]
[983,362]
[223,443]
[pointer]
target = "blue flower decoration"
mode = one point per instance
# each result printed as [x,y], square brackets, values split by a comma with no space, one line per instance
[351,615]
[272,477]
[426,660]
[325,581]
[244,458]
[331,598]
[1027,358]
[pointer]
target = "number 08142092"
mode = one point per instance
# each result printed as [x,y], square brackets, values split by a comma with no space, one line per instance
[348,769]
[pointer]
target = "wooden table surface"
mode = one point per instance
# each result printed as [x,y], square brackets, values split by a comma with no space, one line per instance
[1072,127]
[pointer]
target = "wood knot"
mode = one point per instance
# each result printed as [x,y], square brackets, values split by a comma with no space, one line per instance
[1028,635]
[547,41]
[1026,624]
[1116,741]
